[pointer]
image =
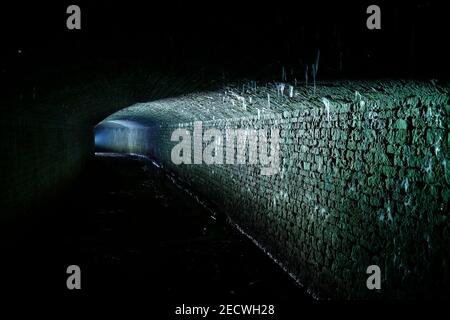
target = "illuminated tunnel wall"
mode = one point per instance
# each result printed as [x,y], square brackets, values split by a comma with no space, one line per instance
[121,136]
[363,177]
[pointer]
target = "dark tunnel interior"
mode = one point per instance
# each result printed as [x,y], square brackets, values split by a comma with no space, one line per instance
[225,159]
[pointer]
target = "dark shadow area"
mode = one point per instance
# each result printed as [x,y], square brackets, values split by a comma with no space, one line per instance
[226,40]
[135,234]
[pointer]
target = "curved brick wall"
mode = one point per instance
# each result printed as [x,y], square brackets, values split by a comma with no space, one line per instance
[363,178]
[363,168]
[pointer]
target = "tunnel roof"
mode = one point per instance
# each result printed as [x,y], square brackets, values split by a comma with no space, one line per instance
[250,99]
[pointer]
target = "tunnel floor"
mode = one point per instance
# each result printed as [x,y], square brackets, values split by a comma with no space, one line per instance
[133,232]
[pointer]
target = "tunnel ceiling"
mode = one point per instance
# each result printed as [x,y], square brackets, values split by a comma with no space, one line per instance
[251,99]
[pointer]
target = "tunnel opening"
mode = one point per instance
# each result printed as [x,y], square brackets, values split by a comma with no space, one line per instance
[121,136]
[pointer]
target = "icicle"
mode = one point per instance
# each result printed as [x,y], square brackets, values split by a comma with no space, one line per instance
[306,75]
[314,77]
[281,89]
[327,107]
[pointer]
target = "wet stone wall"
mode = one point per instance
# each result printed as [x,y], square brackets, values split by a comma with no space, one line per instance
[363,180]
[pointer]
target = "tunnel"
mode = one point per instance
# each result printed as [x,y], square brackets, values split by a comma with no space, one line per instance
[361,173]
[270,156]
[341,151]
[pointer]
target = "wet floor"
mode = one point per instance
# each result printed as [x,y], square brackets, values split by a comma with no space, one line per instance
[133,232]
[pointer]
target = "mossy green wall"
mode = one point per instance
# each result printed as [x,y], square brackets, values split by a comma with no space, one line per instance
[364,179]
